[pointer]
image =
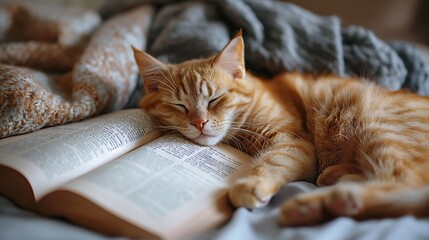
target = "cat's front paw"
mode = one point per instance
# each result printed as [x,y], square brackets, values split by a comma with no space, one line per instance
[252,192]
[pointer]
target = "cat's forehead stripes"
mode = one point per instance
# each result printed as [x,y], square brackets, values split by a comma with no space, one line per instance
[197,82]
[204,89]
[194,83]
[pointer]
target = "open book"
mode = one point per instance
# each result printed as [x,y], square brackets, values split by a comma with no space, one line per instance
[116,174]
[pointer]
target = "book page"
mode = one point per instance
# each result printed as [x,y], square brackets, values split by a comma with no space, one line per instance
[159,185]
[53,156]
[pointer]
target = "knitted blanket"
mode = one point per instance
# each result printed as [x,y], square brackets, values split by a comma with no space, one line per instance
[64,65]
[88,67]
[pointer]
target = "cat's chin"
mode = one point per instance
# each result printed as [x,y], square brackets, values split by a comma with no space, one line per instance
[207,140]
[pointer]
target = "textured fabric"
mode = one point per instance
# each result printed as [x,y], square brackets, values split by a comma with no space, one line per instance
[31,22]
[418,72]
[20,224]
[280,36]
[101,80]
[40,55]
[366,55]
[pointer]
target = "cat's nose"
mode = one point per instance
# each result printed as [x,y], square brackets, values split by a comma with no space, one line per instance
[199,123]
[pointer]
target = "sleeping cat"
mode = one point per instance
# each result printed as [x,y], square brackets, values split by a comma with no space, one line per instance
[370,145]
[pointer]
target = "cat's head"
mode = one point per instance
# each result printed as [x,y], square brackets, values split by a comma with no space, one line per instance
[202,99]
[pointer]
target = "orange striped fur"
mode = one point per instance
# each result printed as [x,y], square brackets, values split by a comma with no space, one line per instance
[369,146]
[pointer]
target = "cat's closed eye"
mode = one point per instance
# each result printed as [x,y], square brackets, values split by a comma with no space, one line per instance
[181,107]
[213,101]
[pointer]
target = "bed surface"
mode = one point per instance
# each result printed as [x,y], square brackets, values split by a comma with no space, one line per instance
[16,223]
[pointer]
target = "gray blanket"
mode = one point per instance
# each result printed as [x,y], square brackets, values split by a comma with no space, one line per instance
[281,36]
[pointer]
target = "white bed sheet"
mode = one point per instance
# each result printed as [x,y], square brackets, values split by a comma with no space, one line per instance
[262,224]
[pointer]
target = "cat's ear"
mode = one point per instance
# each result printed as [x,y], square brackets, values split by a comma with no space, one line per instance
[231,58]
[151,69]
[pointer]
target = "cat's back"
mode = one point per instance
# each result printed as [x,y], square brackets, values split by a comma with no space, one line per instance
[339,108]
[349,116]
[327,95]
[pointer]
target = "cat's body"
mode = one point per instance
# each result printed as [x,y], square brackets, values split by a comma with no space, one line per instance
[375,143]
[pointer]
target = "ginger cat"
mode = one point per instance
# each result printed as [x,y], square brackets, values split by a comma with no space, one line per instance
[371,145]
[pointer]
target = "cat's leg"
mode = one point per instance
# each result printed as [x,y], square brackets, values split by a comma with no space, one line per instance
[356,200]
[288,159]
[339,172]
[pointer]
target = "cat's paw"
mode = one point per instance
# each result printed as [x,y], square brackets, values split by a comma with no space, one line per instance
[252,192]
[323,204]
[339,172]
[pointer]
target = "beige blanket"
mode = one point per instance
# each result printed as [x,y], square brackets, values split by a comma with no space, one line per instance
[64,65]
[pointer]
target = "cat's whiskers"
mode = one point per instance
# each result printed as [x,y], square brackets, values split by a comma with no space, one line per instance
[238,144]
[251,125]
[171,88]
[258,120]
[275,126]
[256,151]
[280,130]
[238,126]
[256,144]
[232,127]
[234,139]
[154,75]
[169,80]
[282,133]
